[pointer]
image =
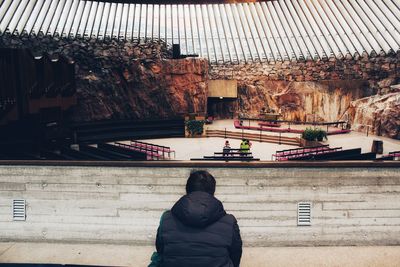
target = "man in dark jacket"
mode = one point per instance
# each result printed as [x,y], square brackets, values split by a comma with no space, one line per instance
[197,232]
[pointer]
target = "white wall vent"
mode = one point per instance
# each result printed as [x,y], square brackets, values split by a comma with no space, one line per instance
[19,210]
[304,214]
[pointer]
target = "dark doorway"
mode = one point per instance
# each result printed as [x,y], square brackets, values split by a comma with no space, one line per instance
[222,108]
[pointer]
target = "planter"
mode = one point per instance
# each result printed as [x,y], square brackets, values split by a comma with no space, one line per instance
[312,137]
[195,128]
[200,118]
[306,143]
[188,135]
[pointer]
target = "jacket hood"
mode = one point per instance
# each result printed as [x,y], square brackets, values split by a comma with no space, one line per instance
[198,209]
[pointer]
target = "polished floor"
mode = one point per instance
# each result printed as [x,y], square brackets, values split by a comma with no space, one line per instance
[187,148]
[139,256]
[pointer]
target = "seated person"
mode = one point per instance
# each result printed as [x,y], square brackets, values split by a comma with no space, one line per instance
[226,149]
[244,147]
[249,143]
[197,231]
[209,120]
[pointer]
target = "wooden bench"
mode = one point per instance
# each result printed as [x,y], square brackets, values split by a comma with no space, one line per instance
[391,156]
[226,158]
[296,151]
[151,154]
[336,155]
[233,153]
[269,124]
[283,130]
[154,147]
[310,153]
[132,154]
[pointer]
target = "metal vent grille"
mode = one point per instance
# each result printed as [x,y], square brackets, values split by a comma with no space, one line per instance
[19,210]
[304,214]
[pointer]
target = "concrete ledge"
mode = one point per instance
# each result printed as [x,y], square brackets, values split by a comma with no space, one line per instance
[204,164]
[138,256]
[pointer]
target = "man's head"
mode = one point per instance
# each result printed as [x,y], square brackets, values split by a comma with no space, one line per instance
[200,181]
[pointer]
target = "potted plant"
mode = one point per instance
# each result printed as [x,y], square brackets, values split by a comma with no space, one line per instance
[309,134]
[195,127]
[321,135]
[309,137]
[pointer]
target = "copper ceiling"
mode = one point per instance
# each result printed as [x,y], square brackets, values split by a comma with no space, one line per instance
[240,32]
[182,1]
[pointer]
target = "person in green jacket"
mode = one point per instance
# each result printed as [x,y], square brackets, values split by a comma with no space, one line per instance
[244,146]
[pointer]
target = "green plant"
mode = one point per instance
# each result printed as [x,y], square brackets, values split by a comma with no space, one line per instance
[195,127]
[309,134]
[321,135]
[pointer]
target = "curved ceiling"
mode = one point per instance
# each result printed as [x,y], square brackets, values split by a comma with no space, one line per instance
[223,33]
[183,2]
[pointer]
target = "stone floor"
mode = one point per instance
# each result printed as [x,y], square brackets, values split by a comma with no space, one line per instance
[187,148]
[125,255]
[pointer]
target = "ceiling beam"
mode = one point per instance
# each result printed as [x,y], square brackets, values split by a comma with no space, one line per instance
[181,1]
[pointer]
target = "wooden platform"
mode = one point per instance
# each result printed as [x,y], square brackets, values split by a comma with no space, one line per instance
[294,141]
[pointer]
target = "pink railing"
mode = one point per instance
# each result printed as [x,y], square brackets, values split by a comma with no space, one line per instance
[306,152]
[152,147]
[237,125]
[269,124]
[151,154]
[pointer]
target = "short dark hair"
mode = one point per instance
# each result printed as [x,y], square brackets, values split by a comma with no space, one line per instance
[200,181]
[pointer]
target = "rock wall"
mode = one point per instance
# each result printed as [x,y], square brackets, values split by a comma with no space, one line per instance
[324,90]
[304,101]
[130,80]
[378,114]
[126,80]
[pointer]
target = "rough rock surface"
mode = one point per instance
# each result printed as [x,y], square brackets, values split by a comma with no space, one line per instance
[130,80]
[126,80]
[304,101]
[145,89]
[321,89]
[380,113]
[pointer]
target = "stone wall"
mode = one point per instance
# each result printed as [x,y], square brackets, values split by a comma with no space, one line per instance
[321,89]
[379,113]
[125,80]
[350,206]
[374,69]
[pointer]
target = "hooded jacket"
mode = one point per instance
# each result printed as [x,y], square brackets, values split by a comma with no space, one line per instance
[197,232]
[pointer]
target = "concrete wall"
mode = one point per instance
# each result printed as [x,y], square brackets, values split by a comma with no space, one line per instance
[222,88]
[122,205]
